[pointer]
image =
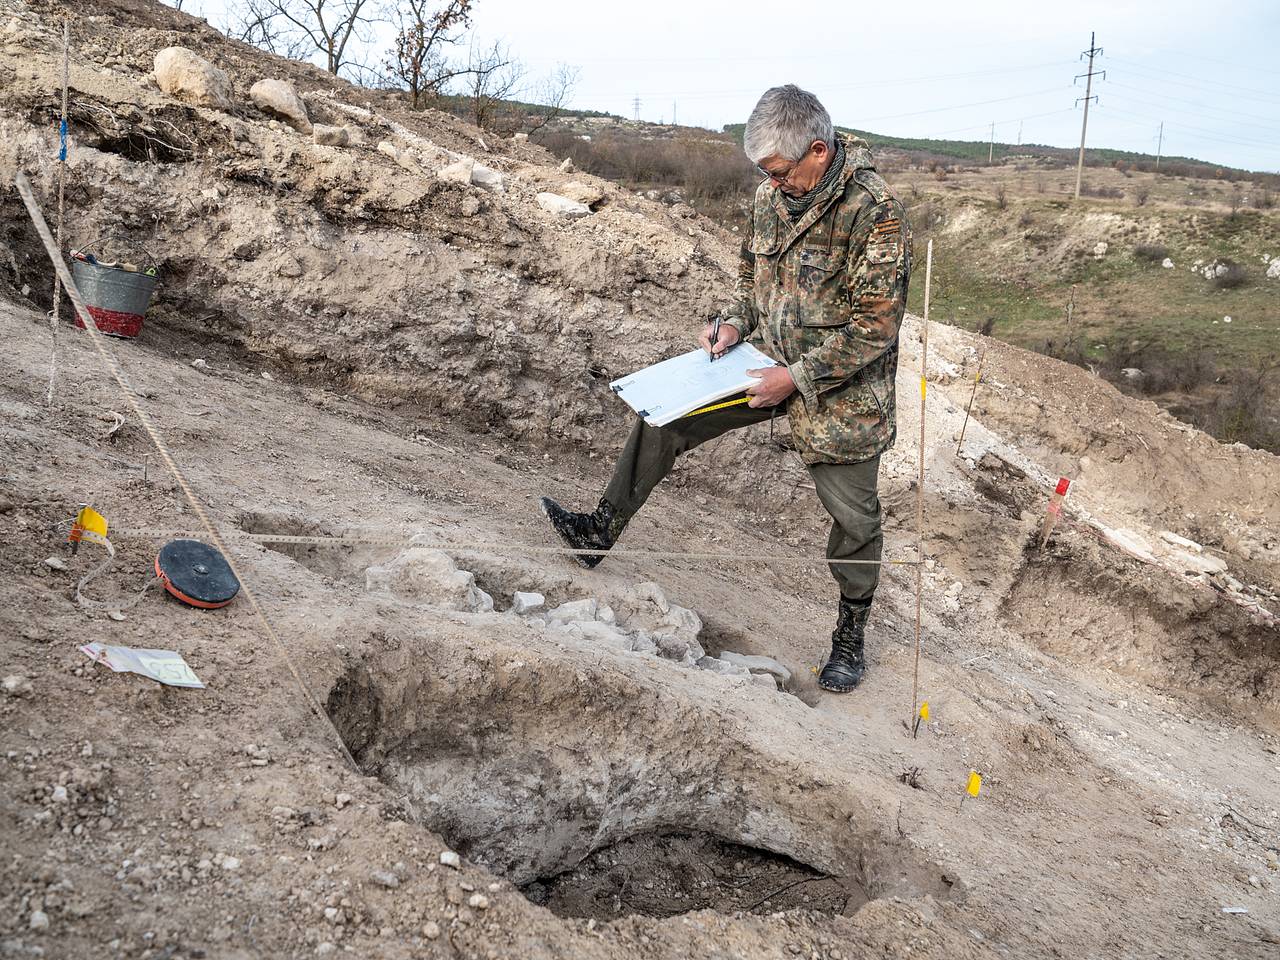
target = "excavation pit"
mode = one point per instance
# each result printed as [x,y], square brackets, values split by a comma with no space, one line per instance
[601,794]
[667,874]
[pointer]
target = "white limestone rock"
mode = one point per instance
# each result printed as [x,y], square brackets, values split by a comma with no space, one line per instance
[487,178]
[280,99]
[563,207]
[431,577]
[757,664]
[328,136]
[191,78]
[457,172]
[584,609]
[581,192]
[523,603]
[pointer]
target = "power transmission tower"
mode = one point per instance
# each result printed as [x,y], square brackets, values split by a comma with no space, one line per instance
[1019,133]
[991,147]
[636,104]
[1093,51]
[673,114]
[1159,144]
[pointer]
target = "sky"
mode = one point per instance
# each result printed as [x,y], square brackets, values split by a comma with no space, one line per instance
[931,68]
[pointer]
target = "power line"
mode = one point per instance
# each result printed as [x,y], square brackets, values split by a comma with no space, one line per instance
[1238,115]
[857,85]
[1264,96]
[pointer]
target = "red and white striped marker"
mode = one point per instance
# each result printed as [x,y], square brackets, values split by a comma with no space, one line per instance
[1054,510]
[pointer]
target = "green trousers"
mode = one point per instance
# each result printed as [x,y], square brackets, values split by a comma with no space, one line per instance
[847,490]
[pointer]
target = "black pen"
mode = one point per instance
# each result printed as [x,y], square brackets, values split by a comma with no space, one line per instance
[715,336]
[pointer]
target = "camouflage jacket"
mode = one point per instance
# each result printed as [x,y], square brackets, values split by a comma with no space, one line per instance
[827,294]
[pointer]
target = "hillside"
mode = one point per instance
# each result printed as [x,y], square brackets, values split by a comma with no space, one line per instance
[391,344]
[1170,273]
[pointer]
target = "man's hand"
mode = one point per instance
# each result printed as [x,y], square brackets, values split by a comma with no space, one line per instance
[728,337]
[775,386]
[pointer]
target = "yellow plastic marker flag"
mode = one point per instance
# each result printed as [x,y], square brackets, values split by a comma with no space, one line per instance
[90,525]
[924,711]
[924,387]
[975,783]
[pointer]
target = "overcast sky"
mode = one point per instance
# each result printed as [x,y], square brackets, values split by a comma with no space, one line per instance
[930,68]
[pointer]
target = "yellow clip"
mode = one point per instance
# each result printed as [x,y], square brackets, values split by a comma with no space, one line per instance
[89,525]
[924,711]
[975,783]
[924,387]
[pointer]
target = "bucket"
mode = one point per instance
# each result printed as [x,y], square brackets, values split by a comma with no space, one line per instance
[117,298]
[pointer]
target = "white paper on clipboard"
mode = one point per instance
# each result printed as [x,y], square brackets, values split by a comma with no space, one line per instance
[668,390]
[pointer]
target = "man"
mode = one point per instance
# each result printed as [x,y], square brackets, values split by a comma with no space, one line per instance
[823,278]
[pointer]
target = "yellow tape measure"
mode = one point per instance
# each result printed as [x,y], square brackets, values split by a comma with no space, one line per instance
[720,406]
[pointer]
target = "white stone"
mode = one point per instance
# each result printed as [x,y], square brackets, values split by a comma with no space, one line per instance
[39,920]
[605,634]
[522,603]
[192,79]
[562,206]
[451,859]
[566,165]
[1167,263]
[643,644]
[59,794]
[230,863]
[342,799]
[388,148]
[16,685]
[331,136]
[581,192]
[1273,269]
[429,576]
[584,609]
[1168,536]
[1199,563]
[478,901]
[56,563]
[431,930]
[1100,249]
[723,667]
[487,178]
[757,664]
[1132,373]
[765,680]
[457,172]
[280,99]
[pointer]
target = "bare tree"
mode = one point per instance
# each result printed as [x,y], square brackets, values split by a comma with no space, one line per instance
[552,96]
[304,28]
[416,62]
[258,22]
[492,76]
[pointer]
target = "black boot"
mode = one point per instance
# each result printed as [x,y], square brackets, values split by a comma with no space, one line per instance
[583,531]
[844,670]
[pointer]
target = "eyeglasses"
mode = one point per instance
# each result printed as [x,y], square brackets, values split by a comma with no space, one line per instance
[779,178]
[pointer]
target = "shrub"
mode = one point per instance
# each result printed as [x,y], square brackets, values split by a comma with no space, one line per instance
[1235,276]
[1142,195]
[1026,220]
[1002,197]
[1150,252]
[1263,199]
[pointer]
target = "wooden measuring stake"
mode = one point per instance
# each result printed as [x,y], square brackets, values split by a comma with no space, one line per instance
[973,393]
[924,390]
[1054,510]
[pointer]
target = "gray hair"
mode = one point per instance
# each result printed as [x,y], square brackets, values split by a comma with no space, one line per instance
[785,122]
